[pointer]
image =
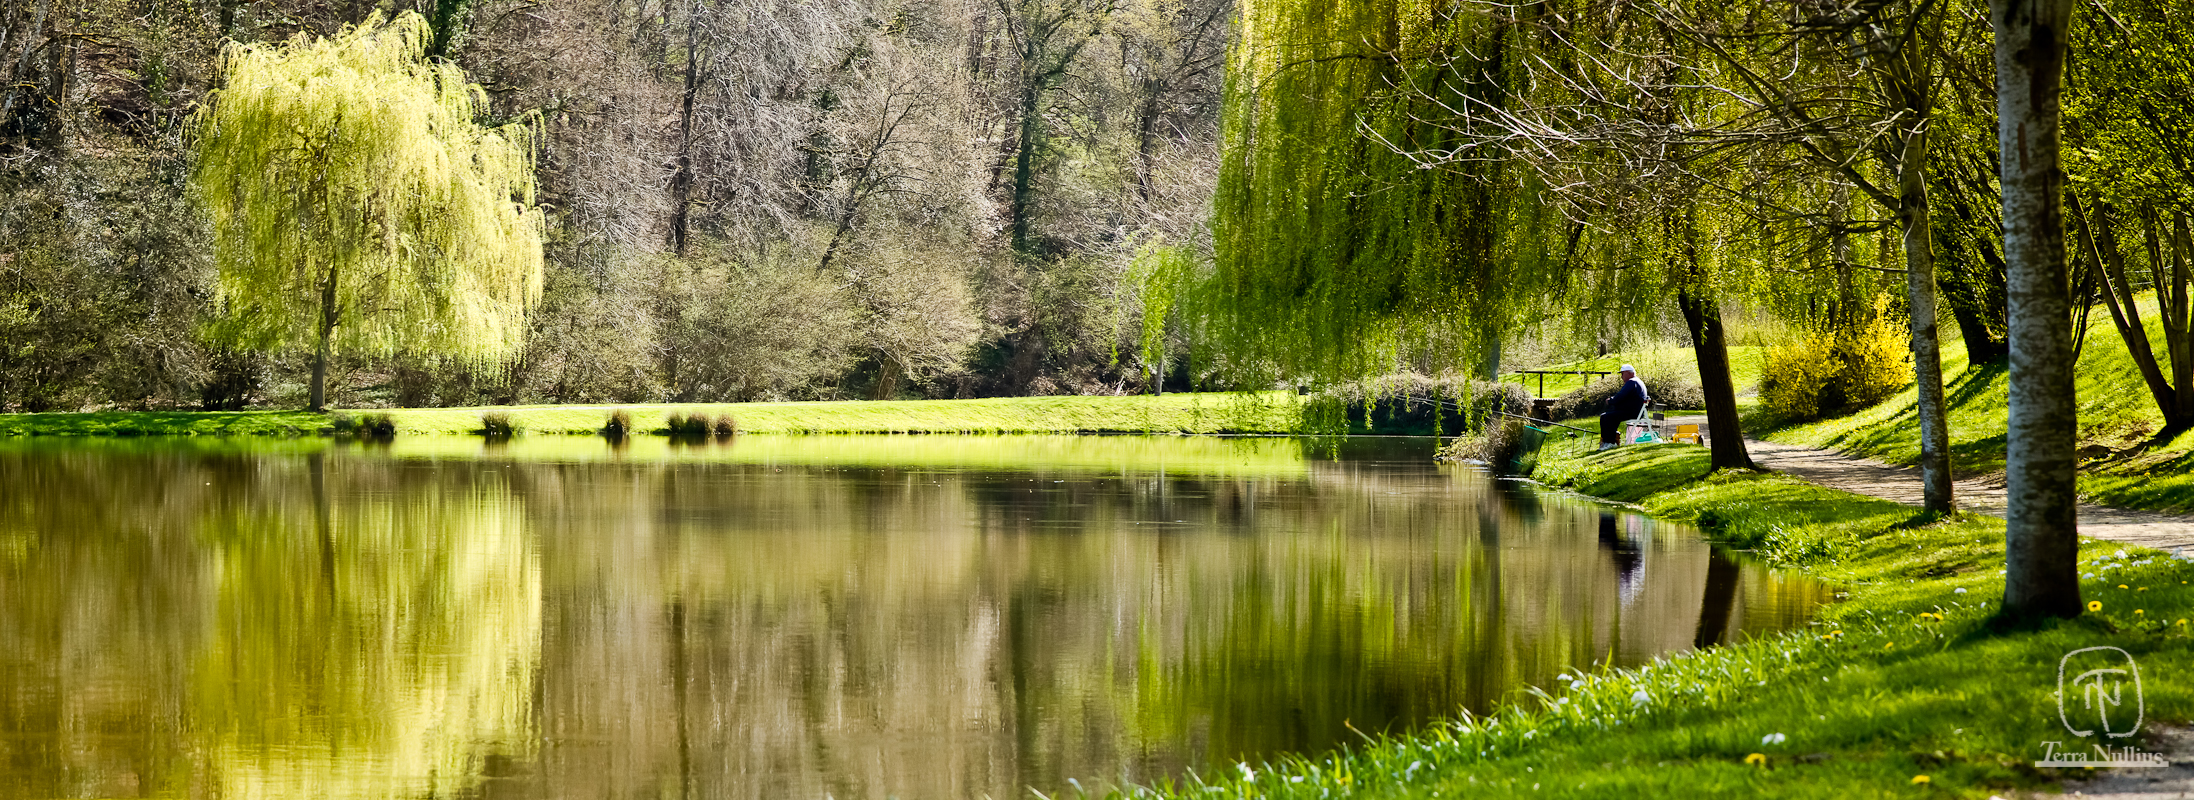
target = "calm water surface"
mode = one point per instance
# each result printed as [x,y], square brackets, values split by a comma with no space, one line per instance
[788,617]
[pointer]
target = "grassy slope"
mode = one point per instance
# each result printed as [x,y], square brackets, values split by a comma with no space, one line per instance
[1867,699]
[2116,412]
[1173,413]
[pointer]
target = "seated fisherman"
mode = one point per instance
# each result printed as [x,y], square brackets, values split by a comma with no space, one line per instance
[1623,407]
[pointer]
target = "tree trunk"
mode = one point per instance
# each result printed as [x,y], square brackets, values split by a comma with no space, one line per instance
[1146,135]
[1024,165]
[1845,313]
[2041,577]
[887,378]
[2099,236]
[327,332]
[2178,328]
[1710,343]
[1927,351]
[681,181]
[452,20]
[1708,340]
[1968,272]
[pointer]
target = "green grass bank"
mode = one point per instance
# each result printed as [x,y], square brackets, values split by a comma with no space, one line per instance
[2120,465]
[1173,413]
[1901,690]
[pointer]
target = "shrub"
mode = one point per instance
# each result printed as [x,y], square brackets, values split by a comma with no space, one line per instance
[726,427]
[1498,447]
[619,426]
[689,428]
[376,426]
[497,425]
[1877,362]
[1828,372]
[1795,375]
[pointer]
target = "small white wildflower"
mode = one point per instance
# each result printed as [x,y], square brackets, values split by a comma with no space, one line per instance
[1772,738]
[2121,554]
[1641,698]
[1961,590]
[1296,779]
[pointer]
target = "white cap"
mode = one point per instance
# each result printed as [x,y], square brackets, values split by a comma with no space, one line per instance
[1629,368]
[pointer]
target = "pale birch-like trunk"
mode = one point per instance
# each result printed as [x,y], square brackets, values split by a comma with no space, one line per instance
[2041,577]
[1917,220]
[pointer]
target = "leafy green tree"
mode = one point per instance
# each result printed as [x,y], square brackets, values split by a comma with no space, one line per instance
[356,202]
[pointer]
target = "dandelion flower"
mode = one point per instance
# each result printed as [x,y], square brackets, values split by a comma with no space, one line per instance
[2122,586]
[1757,759]
[2139,611]
[2094,605]
[1919,779]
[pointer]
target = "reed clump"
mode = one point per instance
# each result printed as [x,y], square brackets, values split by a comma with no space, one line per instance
[378,426]
[618,427]
[699,427]
[497,425]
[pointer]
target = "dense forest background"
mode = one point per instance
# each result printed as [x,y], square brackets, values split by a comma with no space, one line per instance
[747,199]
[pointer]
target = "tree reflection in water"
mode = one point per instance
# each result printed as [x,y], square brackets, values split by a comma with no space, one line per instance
[917,616]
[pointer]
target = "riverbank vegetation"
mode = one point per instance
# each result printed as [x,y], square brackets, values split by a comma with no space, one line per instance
[1904,682]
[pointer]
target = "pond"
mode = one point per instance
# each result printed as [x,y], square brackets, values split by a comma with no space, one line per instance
[790,617]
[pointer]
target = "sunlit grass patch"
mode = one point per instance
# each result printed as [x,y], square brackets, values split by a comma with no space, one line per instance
[1221,412]
[1172,413]
[163,423]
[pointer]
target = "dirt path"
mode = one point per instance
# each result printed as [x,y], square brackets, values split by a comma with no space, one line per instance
[1902,484]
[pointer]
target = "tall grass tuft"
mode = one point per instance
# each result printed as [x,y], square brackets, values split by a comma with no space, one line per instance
[497,425]
[378,426]
[726,427]
[688,428]
[618,427]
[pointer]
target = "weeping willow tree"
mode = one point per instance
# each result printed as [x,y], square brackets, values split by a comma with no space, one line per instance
[357,203]
[1355,225]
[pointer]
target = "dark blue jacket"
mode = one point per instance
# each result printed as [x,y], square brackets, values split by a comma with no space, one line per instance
[1628,400]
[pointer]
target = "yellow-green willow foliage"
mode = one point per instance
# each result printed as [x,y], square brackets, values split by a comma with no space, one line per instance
[1158,273]
[357,202]
[1354,221]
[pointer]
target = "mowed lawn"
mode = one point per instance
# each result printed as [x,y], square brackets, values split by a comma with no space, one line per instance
[1264,413]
